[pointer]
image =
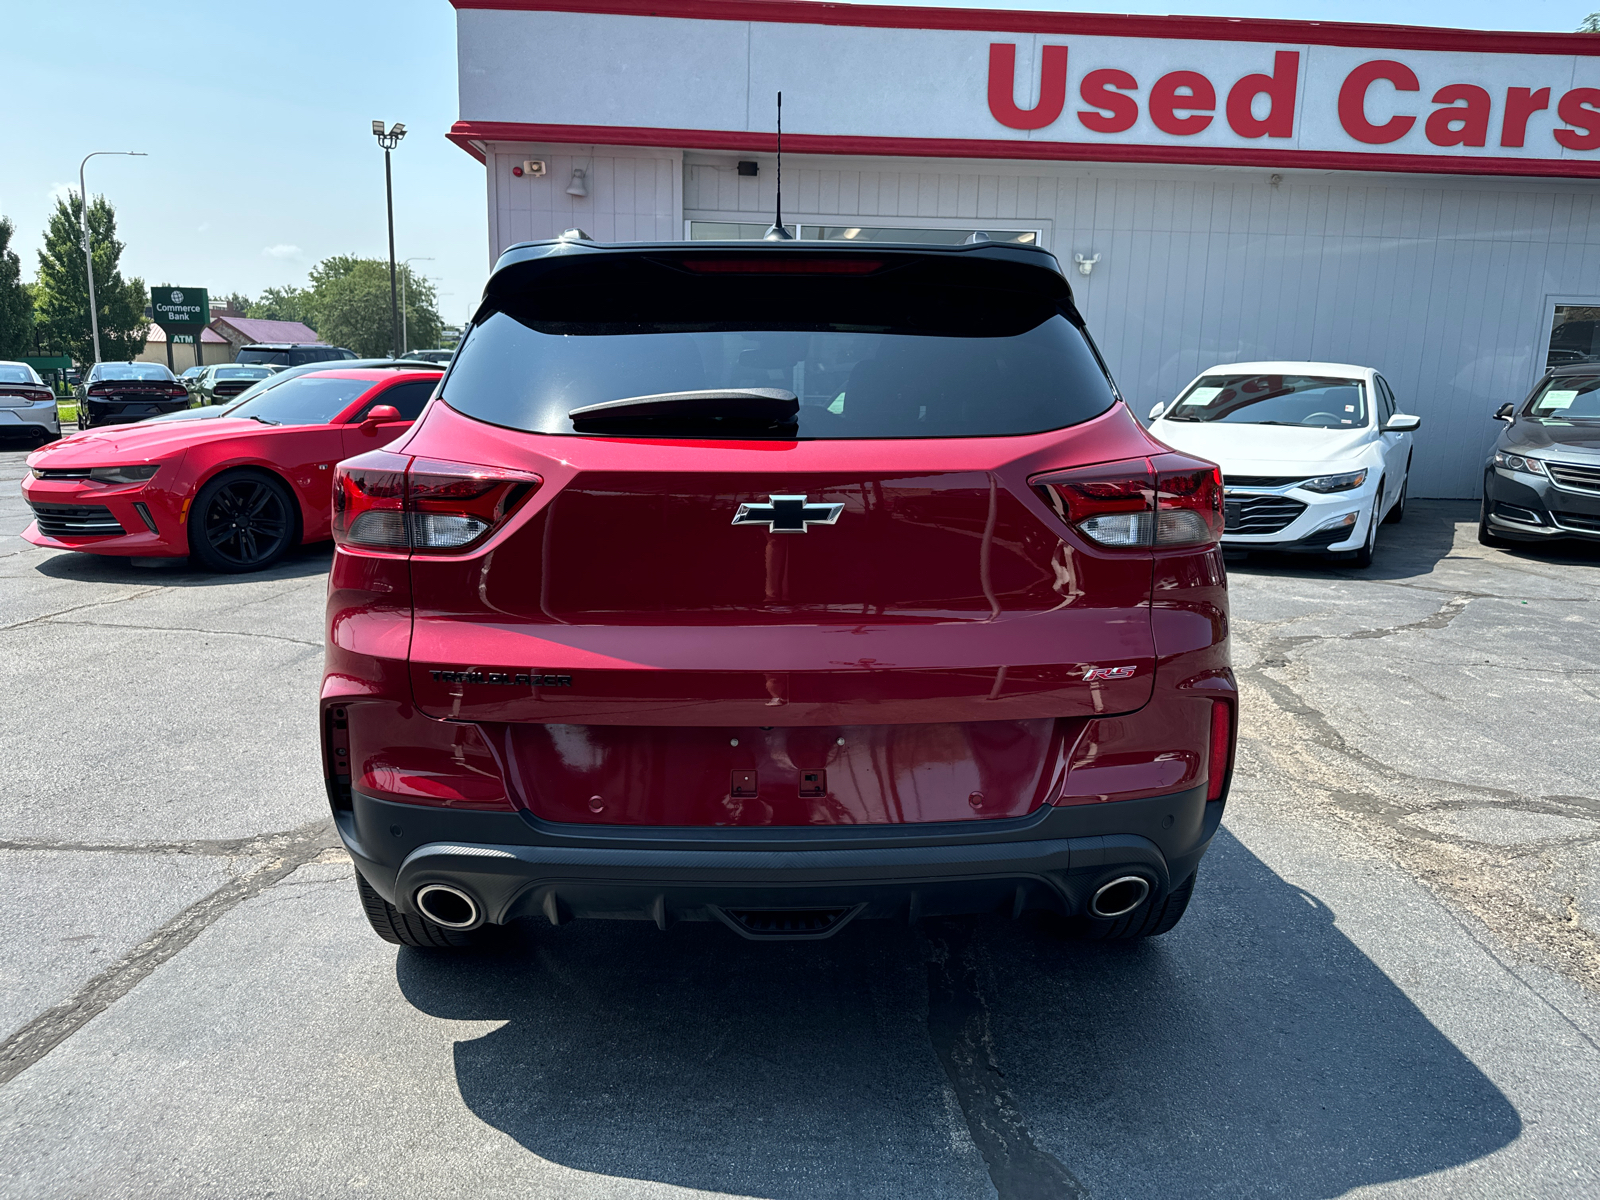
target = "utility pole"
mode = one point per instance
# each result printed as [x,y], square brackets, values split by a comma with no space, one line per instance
[405,337]
[389,141]
[88,254]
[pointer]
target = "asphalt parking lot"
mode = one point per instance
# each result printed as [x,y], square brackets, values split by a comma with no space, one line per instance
[1388,982]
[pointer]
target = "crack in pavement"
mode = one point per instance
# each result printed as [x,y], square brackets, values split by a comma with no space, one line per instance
[288,853]
[1468,871]
[261,843]
[958,1026]
[273,637]
[42,617]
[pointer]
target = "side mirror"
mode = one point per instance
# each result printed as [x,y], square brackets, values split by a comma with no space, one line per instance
[377,415]
[1506,413]
[1157,411]
[1401,423]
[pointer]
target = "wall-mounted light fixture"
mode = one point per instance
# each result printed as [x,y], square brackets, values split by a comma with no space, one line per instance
[532,166]
[578,187]
[1085,265]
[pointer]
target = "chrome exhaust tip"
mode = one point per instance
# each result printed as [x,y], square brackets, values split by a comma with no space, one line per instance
[448,906]
[1120,897]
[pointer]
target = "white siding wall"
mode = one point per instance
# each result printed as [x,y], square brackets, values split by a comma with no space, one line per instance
[634,195]
[1443,284]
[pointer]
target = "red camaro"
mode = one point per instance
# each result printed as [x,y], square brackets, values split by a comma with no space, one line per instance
[781,585]
[236,492]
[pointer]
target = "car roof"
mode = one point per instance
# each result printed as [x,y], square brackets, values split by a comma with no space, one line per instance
[285,345]
[547,262]
[374,373]
[1581,368]
[1290,367]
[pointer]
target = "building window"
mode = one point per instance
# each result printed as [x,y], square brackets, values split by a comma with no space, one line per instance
[1574,335]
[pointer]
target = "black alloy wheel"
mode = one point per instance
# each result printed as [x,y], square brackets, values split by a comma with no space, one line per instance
[242,521]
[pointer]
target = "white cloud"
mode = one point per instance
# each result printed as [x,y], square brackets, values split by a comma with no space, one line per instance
[281,250]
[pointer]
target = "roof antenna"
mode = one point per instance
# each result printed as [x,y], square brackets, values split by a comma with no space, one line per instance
[776,232]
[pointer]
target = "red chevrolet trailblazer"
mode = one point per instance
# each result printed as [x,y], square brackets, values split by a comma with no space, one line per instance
[236,493]
[781,585]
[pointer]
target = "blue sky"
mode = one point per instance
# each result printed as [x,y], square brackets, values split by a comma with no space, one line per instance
[257,119]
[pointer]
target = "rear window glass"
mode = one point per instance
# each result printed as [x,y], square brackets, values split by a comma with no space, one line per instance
[131,371]
[303,400]
[1309,400]
[867,358]
[1567,397]
[10,374]
[242,372]
[280,357]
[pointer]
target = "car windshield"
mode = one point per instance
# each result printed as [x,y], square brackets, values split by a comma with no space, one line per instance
[242,372]
[303,400]
[10,374]
[1567,398]
[893,359]
[1313,401]
[131,371]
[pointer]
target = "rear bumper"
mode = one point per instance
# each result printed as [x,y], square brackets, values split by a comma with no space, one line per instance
[31,419]
[514,865]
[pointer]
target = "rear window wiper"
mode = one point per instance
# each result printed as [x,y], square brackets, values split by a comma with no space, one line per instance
[772,406]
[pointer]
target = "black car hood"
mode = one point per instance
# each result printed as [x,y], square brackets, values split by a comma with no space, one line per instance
[1578,441]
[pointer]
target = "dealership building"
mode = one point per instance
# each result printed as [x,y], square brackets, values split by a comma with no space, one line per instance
[1422,201]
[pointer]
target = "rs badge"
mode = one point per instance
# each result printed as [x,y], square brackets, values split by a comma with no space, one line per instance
[1097,673]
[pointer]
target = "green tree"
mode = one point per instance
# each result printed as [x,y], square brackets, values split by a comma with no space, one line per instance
[350,299]
[283,304]
[16,304]
[1590,24]
[237,302]
[63,291]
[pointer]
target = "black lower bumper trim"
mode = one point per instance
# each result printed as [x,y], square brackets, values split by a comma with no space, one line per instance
[515,866]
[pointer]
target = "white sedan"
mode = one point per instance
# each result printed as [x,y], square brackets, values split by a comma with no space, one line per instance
[1314,456]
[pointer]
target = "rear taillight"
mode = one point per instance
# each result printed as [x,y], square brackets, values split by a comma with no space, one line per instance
[1135,503]
[1188,502]
[1221,759]
[1112,504]
[384,501]
[177,389]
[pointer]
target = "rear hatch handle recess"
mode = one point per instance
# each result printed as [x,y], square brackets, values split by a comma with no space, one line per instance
[771,405]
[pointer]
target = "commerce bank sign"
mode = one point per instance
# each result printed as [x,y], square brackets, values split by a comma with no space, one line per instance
[945,83]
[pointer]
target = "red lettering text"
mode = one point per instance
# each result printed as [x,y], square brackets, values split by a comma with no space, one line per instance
[1465,122]
[1579,107]
[1353,101]
[1003,85]
[1121,111]
[1521,103]
[1279,89]
[1182,91]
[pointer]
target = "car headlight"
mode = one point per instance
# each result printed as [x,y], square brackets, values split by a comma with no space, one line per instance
[1335,483]
[123,474]
[1516,462]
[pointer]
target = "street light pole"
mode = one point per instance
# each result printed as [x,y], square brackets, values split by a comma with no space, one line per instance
[405,337]
[389,141]
[88,254]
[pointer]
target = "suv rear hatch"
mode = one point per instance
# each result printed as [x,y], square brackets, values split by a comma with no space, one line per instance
[696,612]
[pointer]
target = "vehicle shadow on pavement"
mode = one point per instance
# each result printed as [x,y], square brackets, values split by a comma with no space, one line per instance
[1253,1051]
[1406,550]
[299,563]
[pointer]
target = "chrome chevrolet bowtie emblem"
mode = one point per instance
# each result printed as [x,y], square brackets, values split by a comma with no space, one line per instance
[787,514]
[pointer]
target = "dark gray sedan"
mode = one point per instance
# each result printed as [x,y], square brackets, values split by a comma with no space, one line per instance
[1543,479]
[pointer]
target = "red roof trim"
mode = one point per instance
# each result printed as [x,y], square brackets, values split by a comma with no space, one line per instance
[1227,29]
[465,142]
[1092,152]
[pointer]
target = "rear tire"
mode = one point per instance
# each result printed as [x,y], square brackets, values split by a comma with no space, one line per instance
[403,929]
[1151,919]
